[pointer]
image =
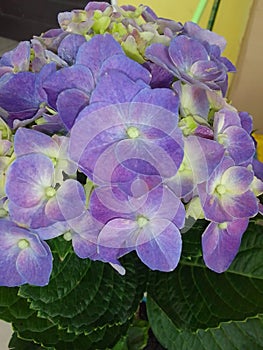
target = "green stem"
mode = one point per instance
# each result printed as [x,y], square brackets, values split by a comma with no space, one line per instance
[213,14]
[199,11]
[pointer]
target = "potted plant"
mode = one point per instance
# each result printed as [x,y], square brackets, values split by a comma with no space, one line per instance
[130,189]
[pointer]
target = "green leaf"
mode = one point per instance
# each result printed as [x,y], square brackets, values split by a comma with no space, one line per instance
[20,344]
[59,339]
[232,335]
[86,304]
[61,247]
[195,308]
[83,295]
[137,335]
[136,338]
[12,307]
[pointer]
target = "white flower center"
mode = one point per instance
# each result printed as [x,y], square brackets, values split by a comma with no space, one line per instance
[67,236]
[142,221]
[23,244]
[133,132]
[50,192]
[220,189]
[223,225]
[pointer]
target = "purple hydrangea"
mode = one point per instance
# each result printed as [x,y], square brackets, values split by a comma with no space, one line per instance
[227,195]
[24,257]
[190,61]
[119,130]
[35,199]
[135,135]
[220,243]
[148,224]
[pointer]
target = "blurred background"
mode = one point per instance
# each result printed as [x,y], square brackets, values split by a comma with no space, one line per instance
[239,21]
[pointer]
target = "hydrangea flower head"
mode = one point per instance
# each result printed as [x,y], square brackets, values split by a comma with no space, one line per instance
[24,257]
[116,134]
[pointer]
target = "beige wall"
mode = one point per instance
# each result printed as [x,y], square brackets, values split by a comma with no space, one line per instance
[246,91]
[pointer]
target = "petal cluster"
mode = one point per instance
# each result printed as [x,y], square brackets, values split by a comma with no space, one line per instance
[115,134]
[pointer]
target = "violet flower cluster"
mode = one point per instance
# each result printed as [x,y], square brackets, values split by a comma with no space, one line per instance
[115,132]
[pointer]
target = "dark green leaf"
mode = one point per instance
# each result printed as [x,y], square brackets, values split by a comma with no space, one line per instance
[59,339]
[136,338]
[137,335]
[194,307]
[85,295]
[19,344]
[61,247]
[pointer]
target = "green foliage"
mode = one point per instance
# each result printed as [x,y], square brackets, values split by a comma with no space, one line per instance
[88,305]
[196,308]
[136,337]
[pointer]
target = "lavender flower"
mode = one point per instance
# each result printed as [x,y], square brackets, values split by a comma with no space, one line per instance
[136,135]
[227,194]
[189,61]
[118,130]
[149,224]
[35,199]
[220,243]
[24,257]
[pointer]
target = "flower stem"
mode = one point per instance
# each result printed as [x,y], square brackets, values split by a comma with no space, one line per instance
[213,14]
[199,11]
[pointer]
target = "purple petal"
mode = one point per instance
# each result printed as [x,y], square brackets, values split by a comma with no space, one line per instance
[27,178]
[220,245]
[246,121]
[30,264]
[159,245]
[194,101]
[35,269]
[203,151]
[8,272]
[161,78]
[149,15]
[241,206]
[52,231]
[34,217]
[212,206]
[115,87]
[71,191]
[69,47]
[97,5]
[159,54]
[39,143]
[239,144]
[182,183]
[94,52]
[89,140]
[108,202]
[85,230]
[77,76]
[85,248]
[170,207]
[69,103]
[136,154]
[117,237]
[27,99]
[165,98]
[206,71]
[258,168]
[204,35]
[19,57]
[237,179]
[184,52]
[225,118]
[122,63]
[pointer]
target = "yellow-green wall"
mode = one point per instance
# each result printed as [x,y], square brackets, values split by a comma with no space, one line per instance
[230,22]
